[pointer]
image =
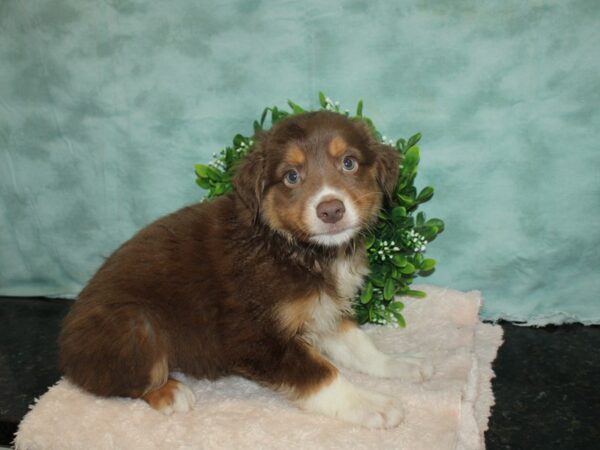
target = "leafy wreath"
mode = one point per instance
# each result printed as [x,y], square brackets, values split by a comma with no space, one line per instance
[396,246]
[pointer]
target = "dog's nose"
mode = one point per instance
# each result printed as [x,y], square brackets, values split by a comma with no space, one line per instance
[330,211]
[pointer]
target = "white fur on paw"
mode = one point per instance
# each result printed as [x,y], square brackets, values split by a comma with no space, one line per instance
[409,368]
[374,410]
[344,401]
[183,400]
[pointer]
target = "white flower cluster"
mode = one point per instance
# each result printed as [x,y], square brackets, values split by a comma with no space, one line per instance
[243,148]
[334,106]
[218,161]
[414,240]
[330,105]
[383,319]
[384,250]
[387,141]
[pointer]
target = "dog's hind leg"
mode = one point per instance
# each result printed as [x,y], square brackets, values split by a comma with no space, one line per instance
[173,396]
[119,351]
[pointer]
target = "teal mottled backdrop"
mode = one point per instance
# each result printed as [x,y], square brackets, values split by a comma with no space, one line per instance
[106,106]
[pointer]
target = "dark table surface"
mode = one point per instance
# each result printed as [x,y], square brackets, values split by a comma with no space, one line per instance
[547,384]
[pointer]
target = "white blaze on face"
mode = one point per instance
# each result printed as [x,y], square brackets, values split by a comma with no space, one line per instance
[331,234]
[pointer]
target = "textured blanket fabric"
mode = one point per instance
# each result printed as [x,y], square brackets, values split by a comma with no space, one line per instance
[450,411]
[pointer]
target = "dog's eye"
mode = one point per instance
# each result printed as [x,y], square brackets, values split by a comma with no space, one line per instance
[291,178]
[349,164]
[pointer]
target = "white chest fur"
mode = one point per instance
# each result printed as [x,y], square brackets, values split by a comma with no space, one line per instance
[347,276]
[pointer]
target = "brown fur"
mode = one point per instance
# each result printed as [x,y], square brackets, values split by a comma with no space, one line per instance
[229,286]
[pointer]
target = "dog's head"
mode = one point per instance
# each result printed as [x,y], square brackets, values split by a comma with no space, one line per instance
[318,177]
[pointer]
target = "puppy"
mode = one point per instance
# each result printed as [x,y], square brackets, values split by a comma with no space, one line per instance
[257,283]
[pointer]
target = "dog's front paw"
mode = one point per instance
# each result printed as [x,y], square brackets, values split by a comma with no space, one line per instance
[344,401]
[409,368]
[374,410]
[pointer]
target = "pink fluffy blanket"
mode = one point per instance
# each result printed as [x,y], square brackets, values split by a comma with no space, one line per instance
[450,411]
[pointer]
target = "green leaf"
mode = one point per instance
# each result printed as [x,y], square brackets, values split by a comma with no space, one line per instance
[425,194]
[220,188]
[398,213]
[278,114]
[359,108]
[367,293]
[410,191]
[237,140]
[229,155]
[377,279]
[201,170]
[399,260]
[369,241]
[362,315]
[438,223]
[213,174]
[264,116]
[414,140]
[428,232]
[406,200]
[401,321]
[295,107]
[417,294]
[203,183]
[206,171]
[411,179]
[257,126]
[401,144]
[427,265]
[411,158]
[274,114]
[418,259]
[409,268]
[322,99]
[389,289]
[420,219]
[387,268]
[396,306]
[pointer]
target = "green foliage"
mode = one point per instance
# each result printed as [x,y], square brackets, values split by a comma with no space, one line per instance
[395,246]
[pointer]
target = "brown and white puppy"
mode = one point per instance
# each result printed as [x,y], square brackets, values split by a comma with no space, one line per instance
[256,283]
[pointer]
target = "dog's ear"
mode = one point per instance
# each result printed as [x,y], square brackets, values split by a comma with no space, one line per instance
[248,181]
[388,169]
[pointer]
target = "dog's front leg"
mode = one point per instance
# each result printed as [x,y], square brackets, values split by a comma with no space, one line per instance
[351,347]
[314,384]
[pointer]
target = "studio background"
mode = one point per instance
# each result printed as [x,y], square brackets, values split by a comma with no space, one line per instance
[106,106]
